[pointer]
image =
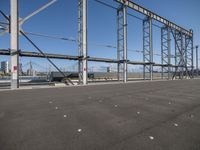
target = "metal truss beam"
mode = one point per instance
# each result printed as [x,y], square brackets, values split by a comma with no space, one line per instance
[122,42]
[69,57]
[14,44]
[82,41]
[166,51]
[147,49]
[154,16]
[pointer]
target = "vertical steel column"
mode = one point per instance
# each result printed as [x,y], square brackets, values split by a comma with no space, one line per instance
[165,51]
[189,62]
[82,41]
[197,61]
[182,55]
[122,42]
[175,55]
[192,44]
[80,37]
[14,44]
[169,53]
[125,42]
[179,54]
[147,48]
[151,48]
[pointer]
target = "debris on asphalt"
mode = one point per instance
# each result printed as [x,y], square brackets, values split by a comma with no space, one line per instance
[175,124]
[151,137]
[192,116]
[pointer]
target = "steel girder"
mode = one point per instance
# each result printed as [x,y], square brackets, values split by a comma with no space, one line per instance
[154,16]
[147,49]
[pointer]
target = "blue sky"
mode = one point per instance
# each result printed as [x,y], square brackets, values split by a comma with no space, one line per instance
[61,19]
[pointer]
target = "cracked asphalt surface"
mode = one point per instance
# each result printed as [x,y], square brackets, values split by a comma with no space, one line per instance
[134,116]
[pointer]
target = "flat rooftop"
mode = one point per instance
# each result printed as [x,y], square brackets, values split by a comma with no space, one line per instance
[135,116]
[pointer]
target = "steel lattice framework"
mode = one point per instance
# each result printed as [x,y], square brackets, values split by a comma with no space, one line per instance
[147,49]
[166,51]
[179,55]
[189,55]
[184,67]
[183,39]
[122,42]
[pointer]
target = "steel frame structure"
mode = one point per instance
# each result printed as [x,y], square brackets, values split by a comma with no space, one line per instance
[154,16]
[183,55]
[183,38]
[166,51]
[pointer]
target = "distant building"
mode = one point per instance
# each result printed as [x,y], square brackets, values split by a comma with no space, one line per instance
[5,66]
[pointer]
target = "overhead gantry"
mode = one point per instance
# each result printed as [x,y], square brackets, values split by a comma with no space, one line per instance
[183,39]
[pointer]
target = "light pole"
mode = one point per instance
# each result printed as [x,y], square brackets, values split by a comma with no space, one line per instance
[197,61]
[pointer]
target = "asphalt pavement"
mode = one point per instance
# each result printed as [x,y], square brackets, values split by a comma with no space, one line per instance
[134,116]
